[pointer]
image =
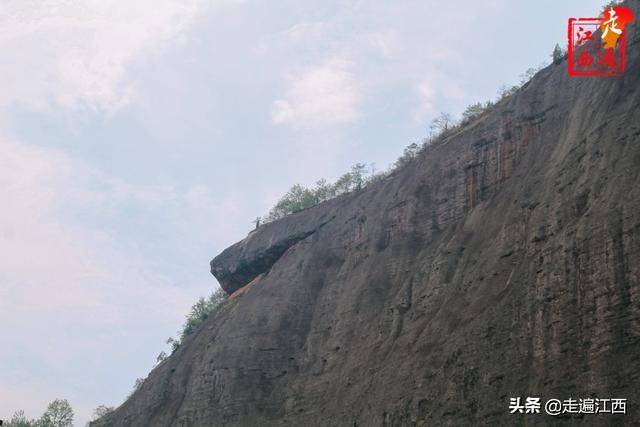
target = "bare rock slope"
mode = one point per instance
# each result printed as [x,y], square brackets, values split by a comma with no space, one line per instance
[503,262]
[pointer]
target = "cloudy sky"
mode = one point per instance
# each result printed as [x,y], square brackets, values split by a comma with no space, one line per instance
[139,138]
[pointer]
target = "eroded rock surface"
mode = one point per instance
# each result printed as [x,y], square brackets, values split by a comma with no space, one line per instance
[241,263]
[504,262]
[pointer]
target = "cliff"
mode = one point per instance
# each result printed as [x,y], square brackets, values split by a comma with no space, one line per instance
[502,262]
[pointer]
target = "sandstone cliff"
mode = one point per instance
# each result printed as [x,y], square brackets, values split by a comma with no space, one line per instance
[503,262]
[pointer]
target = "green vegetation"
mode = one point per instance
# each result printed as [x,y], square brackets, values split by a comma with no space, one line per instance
[474,111]
[162,355]
[200,311]
[409,153]
[20,420]
[136,386]
[441,124]
[558,54]
[299,197]
[529,73]
[101,411]
[506,91]
[609,5]
[58,414]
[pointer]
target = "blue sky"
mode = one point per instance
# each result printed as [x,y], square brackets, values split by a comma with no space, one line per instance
[140,138]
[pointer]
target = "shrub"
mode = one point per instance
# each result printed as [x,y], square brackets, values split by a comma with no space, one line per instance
[506,91]
[161,357]
[409,153]
[201,310]
[136,386]
[609,5]
[101,411]
[558,54]
[474,110]
[441,124]
[58,414]
[20,420]
[299,198]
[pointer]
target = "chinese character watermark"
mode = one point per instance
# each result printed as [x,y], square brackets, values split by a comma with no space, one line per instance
[554,407]
[531,405]
[598,46]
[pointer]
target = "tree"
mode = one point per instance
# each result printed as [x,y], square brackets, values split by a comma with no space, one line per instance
[323,190]
[299,197]
[344,184]
[136,386]
[474,110]
[409,153]
[506,91]
[295,200]
[257,222]
[441,124]
[58,414]
[527,75]
[610,4]
[198,314]
[20,420]
[358,175]
[557,55]
[101,411]
[162,356]
[217,298]
[373,175]
[200,311]
[175,344]
[532,71]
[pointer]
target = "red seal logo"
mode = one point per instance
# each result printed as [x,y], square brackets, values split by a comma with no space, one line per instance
[598,46]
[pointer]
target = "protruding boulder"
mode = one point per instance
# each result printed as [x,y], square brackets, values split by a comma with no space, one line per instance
[241,263]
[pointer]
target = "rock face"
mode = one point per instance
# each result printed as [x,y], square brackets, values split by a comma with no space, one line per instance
[503,262]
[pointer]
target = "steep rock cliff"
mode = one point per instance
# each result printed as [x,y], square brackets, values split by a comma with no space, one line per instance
[503,262]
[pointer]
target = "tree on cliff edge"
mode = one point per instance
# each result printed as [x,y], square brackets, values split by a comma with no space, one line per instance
[557,54]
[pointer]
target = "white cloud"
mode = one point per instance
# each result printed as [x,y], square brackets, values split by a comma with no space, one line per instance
[76,54]
[322,96]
